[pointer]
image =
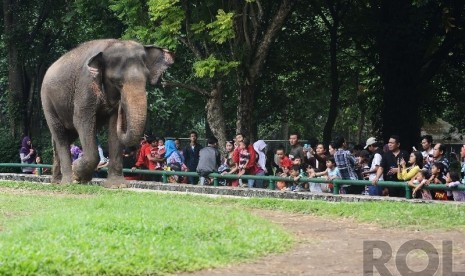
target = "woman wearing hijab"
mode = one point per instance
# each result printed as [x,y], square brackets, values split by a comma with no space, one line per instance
[259,148]
[27,154]
[174,159]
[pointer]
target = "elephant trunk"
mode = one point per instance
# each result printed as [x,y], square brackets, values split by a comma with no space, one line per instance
[132,114]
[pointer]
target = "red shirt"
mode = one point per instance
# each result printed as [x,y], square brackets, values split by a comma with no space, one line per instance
[253,157]
[141,156]
[285,162]
[152,152]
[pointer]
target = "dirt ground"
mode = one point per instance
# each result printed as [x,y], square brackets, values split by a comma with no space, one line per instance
[335,247]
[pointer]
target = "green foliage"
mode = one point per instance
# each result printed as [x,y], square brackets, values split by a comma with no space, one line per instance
[9,151]
[117,232]
[211,67]
[222,29]
[198,28]
[165,107]
[295,83]
[168,16]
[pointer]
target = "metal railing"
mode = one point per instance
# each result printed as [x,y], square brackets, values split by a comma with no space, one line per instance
[337,183]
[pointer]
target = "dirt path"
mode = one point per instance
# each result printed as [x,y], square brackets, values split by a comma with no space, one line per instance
[335,247]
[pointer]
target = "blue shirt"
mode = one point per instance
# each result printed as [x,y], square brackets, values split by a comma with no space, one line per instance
[345,162]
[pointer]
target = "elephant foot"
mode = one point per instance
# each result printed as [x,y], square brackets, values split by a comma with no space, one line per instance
[66,180]
[115,183]
[81,172]
[56,178]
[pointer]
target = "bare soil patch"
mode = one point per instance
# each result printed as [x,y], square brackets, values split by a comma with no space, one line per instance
[335,247]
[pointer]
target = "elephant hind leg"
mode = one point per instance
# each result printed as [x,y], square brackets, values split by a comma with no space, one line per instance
[62,156]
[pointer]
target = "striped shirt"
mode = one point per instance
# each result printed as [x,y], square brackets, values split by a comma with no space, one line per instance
[345,162]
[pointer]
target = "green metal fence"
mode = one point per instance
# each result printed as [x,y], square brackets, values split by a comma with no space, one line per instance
[337,183]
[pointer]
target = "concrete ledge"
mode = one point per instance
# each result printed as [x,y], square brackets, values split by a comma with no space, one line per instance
[228,191]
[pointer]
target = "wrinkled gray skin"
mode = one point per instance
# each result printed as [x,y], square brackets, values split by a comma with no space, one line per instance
[101,82]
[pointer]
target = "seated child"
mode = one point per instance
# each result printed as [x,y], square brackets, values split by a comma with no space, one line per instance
[294,173]
[297,161]
[417,184]
[453,180]
[437,177]
[282,172]
[331,173]
[310,173]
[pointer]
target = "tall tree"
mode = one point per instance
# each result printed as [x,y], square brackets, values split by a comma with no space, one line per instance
[411,40]
[15,73]
[222,38]
[332,12]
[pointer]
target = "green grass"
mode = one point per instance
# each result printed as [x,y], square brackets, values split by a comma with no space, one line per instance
[89,230]
[78,229]
[385,214]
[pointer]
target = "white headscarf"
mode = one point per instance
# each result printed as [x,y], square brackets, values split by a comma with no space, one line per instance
[259,146]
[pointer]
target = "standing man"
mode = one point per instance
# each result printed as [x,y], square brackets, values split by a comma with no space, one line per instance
[191,156]
[389,166]
[296,148]
[345,162]
[439,152]
[374,163]
[427,145]
[209,161]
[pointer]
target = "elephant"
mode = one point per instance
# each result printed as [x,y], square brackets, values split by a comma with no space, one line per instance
[100,83]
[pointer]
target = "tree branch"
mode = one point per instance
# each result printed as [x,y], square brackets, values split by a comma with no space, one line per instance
[187,41]
[245,26]
[255,25]
[193,88]
[432,65]
[191,47]
[273,29]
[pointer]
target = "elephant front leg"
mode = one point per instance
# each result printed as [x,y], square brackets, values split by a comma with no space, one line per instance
[85,166]
[115,153]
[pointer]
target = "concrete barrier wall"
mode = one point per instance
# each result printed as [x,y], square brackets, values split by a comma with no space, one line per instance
[227,191]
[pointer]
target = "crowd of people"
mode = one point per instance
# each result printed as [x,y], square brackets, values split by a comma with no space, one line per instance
[374,161]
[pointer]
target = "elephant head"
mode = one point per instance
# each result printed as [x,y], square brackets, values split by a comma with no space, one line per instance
[121,72]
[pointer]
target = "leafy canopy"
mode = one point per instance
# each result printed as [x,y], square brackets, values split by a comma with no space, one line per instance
[164,22]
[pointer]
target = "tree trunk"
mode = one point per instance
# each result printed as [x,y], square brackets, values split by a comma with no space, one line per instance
[399,115]
[253,64]
[15,73]
[215,116]
[399,63]
[335,88]
[245,111]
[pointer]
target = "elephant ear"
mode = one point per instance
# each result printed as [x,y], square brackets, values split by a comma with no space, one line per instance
[158,59]
[95,64]
[95,67]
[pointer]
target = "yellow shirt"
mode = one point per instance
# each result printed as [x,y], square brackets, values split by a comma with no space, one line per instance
[408,173]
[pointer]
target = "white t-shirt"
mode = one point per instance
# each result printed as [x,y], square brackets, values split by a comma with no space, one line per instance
[374,165]
[428,155]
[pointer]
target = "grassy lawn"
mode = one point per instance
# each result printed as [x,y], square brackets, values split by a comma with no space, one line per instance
[77,229]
